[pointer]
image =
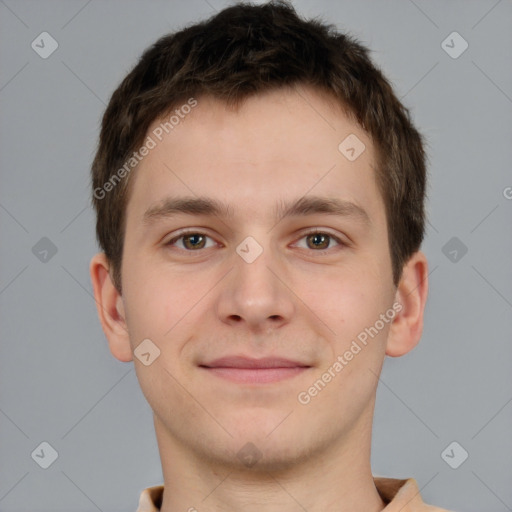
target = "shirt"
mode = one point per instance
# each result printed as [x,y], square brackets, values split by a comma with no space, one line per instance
[399,496]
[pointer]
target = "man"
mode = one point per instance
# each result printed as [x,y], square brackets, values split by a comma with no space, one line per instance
[259,194]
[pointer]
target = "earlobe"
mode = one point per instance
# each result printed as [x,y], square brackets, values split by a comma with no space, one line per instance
[411,294]
[110,307]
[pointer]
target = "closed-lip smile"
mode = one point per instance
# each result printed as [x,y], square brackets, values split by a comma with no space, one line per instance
[250,370]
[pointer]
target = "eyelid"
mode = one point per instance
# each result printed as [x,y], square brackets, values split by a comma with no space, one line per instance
[315,231]
[184,232]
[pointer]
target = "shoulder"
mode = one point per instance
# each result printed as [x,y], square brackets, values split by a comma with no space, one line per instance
[403,495]
[151,499]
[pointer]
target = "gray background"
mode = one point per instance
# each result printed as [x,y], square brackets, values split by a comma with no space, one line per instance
[58,381]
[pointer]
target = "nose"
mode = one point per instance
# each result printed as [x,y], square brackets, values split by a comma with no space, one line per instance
[255,294]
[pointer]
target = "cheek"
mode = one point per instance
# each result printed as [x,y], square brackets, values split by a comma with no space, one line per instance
[343,296]
[349,305]
[147,301]
[163,306]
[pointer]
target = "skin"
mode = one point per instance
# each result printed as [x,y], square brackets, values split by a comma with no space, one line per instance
[292,301]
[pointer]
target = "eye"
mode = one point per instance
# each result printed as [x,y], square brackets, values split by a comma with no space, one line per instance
[191,240]
[319,241]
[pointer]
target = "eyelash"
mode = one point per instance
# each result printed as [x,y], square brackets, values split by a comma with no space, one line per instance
[304,235]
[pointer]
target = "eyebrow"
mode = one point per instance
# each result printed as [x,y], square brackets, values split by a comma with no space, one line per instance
[307,205]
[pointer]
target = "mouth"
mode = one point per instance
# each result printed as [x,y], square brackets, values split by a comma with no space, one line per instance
[248,370]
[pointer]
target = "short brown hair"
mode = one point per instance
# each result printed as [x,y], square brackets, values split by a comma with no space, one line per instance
[245,50]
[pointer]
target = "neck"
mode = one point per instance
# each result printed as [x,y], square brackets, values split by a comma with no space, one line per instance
[337,479]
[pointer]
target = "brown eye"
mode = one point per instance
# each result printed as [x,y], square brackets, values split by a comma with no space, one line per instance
[194,241]
[191,241]
[318,240]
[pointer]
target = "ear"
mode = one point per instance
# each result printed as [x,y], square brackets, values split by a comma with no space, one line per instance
[110,307]
[411,295]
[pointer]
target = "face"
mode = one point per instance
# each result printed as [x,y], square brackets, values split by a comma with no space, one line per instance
[253,303]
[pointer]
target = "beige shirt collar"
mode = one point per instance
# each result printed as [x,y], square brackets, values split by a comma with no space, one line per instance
[400,496]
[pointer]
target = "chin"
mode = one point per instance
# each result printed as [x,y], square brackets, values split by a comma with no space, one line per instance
[258,457]
[269,449]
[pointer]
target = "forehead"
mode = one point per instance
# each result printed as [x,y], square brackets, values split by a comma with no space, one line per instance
[280,145]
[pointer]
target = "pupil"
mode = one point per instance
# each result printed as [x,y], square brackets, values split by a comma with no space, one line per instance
[193,239]
[318,238]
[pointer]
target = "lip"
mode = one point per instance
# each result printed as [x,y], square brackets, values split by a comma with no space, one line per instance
[249,370]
